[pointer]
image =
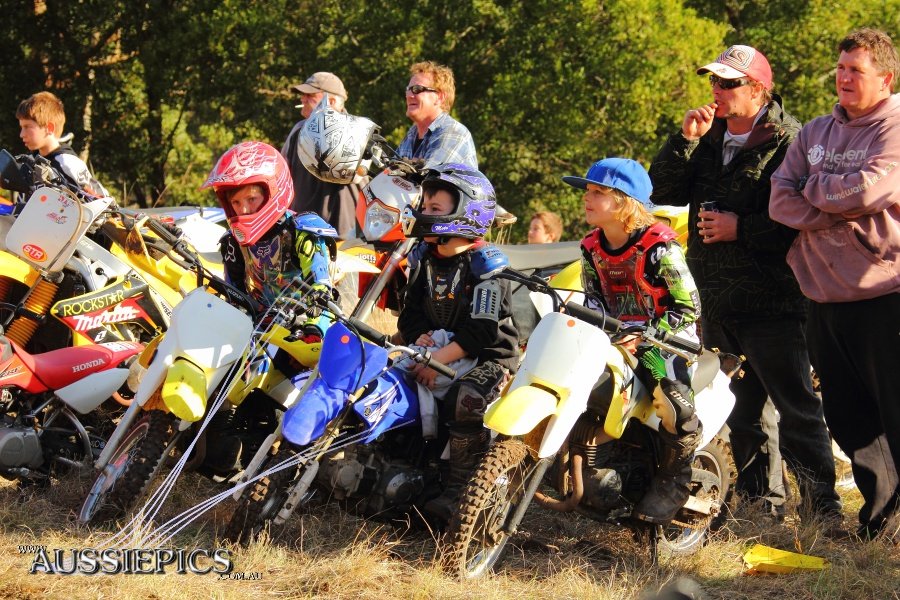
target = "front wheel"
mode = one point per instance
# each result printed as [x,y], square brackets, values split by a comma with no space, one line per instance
[477,535]
[713,479]
[256,511]
[131,469]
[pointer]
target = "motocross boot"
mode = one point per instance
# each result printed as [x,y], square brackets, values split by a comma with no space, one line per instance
[466,449]
[680,434]
[670,487]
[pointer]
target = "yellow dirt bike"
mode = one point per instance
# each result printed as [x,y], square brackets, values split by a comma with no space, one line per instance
[81,260]
[212,393]
[577,420]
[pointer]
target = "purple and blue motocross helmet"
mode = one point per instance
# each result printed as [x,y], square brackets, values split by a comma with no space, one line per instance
[475,200]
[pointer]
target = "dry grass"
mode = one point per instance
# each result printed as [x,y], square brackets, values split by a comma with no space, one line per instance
[326,553]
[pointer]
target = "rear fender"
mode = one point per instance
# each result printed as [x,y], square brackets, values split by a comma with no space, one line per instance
[714,404]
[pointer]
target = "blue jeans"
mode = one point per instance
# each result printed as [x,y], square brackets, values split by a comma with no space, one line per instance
[777,366]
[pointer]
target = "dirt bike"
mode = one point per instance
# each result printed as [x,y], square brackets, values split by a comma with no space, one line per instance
[51,264]
[355,434]
[179,404]
[49,402]
[594,445]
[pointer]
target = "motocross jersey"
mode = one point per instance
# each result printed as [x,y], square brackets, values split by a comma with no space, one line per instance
[297,245]
[440,295]
[647,279]
[68,163]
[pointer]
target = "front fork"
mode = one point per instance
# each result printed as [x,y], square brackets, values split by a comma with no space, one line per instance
[537,476]
[310,468]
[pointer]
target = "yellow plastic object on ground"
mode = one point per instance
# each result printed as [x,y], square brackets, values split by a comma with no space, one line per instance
[765,559]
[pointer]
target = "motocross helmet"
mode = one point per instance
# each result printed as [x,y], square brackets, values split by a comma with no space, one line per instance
[333,145]
[246,163]
[475,204]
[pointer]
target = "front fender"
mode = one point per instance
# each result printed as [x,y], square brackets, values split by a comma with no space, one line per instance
[306,420]
[184,391]
[520,411]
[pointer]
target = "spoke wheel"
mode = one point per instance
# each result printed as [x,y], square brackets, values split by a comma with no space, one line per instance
[713,480]
[257,510]
[476,534]
[133,466]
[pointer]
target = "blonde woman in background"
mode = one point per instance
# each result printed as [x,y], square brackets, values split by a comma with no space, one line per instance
[545,228]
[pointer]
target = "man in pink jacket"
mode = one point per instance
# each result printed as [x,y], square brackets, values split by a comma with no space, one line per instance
[839,185]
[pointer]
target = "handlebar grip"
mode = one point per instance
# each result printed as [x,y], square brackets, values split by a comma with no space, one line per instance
[368,332]
[170,235]
[595,318]
[681,343]
[441,368]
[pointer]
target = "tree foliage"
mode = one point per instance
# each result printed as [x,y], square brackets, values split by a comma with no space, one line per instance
[156,90]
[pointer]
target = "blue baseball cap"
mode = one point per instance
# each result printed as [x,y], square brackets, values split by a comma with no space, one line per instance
[623,174]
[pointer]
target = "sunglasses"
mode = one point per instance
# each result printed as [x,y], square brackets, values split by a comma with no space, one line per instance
[415,90]
[729,84]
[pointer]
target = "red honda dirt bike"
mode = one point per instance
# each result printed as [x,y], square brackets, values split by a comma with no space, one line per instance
[49,420]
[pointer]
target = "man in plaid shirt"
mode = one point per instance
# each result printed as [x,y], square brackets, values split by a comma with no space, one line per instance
[435,136]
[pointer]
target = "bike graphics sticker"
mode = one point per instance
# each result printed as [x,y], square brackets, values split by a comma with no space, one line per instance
[34,252]
[102,316]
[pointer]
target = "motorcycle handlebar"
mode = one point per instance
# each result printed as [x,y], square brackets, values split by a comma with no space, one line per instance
[678,342]
[428,361]
[595,318]
[370,333]
[659,337]
[167,233]
[376,336]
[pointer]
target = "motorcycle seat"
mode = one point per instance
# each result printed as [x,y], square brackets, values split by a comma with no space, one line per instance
[58,368]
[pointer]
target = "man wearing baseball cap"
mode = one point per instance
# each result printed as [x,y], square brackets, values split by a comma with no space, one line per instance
[333,202]
[719,164]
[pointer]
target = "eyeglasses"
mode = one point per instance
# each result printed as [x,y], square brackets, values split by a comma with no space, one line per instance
[415,90]
[729,84]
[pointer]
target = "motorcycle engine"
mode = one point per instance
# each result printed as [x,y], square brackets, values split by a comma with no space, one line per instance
[616,473]
[378,483]
[19,447]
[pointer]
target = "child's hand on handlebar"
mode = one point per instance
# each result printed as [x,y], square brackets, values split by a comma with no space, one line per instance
[425,375]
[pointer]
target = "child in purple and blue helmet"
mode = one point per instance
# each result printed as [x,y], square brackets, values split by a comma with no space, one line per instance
[634,267]
[450,267]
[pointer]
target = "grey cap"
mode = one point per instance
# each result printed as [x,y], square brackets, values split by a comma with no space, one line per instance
[322,81]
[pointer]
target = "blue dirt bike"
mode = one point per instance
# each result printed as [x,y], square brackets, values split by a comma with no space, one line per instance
[355,435]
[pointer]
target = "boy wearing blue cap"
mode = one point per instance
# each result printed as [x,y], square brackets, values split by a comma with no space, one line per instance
[634,269]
